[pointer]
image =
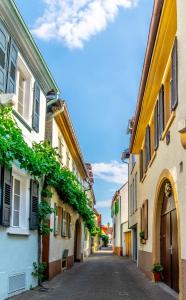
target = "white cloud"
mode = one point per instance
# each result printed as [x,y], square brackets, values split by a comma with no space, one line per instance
[75,21]
[103,204]
[113,172]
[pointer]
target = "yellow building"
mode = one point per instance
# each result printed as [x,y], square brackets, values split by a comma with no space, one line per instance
[69,237]
[158,143]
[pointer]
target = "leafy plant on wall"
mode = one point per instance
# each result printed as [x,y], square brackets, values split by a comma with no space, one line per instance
[41,162]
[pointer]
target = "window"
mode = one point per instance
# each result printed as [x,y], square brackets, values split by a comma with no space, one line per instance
[135,189]
[167,94]
[57,219]
[152,137]
[16,202]
[144,219]
[74,170]
[23,89]
[60,149]
[21,93]
[66,224]
[68,159]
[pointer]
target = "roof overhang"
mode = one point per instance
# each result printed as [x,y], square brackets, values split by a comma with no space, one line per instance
[18,29]
[156,15]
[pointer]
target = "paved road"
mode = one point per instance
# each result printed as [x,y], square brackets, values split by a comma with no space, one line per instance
[103,276]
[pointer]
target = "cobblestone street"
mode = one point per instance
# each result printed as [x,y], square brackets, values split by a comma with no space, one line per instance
[103,276]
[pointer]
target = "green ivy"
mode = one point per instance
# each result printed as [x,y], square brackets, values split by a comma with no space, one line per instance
[41,162]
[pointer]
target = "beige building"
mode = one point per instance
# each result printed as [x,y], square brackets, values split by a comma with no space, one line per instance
[121,241]
[158,142]
[69,237]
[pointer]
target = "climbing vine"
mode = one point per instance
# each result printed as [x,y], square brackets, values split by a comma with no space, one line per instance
[41,162]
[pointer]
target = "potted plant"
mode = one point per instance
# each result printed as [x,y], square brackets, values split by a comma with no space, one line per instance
[157,270]
[142,237]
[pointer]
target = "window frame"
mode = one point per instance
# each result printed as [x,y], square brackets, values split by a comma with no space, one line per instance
[20,204]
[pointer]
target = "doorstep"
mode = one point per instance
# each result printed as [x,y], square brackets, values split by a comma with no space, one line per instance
[167,289]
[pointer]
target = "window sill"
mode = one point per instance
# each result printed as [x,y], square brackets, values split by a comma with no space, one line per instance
[17,231]
[169,123]
[22,120]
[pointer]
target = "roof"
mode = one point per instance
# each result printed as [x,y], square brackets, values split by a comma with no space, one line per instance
[157,9]
[65,124]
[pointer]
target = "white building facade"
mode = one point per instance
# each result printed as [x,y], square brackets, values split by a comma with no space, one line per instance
[121,233]
[24,74]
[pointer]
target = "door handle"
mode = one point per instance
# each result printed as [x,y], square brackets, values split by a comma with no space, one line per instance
[171,250]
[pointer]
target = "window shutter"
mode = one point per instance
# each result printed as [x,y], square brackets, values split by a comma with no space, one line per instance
[174,82]
[161,111]
[145,219]
[34,201]
[156,130]
[36,107]
[6,196]
[11,84]
[147,147]
[141,165]
[4,38]
[148,144]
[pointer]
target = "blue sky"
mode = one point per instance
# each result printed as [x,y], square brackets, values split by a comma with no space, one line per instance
[95,51]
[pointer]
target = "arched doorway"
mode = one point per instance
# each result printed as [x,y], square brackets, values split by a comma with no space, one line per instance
[168,235]
[77,241]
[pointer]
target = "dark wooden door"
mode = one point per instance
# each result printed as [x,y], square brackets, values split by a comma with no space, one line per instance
[169,244]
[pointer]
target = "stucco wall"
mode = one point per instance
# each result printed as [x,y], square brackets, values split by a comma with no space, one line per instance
[57,243]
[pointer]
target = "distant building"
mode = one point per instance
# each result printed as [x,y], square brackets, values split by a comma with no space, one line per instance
[119,212]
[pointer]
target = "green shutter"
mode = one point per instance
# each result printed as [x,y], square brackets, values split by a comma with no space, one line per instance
[4,39]
[36,107]
[174,82]
[6,195]
[34,201]
[11,83]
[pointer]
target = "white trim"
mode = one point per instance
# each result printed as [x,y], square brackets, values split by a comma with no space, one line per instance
[18,231]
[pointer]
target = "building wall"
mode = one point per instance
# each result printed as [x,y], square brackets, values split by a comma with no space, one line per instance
[168,162]
[58,243]
[19,245]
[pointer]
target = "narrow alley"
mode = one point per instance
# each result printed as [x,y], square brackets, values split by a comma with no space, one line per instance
[103,276]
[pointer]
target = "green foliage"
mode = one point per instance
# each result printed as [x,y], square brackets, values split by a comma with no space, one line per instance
[157,268]
[44,210]
[105,240]
[41,162]
[142,235]
[39,270]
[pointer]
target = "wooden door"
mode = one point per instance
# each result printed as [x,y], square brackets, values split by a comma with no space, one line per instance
[169,244]
[128,243]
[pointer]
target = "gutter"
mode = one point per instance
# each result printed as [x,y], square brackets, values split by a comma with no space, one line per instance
[156,15]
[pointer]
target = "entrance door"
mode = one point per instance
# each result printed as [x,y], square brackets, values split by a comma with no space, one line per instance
[77,241]
[169,243]
[128,243]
